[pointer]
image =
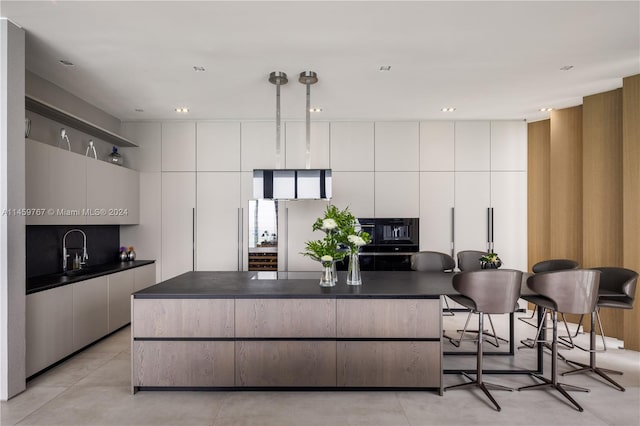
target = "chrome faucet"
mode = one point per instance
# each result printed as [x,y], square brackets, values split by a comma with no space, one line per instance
[65,255]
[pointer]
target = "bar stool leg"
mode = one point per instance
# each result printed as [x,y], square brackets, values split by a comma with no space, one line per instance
[479,382]
[591,367]
[553,382]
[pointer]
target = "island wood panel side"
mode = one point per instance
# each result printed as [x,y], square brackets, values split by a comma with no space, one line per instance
[183,363]
[183,317]
[389,318]
[389,364]
[285,318]
[286,363]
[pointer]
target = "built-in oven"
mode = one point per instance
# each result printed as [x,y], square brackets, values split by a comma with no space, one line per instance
[393,241]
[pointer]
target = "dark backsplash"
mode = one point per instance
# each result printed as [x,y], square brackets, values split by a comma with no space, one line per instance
[44,246]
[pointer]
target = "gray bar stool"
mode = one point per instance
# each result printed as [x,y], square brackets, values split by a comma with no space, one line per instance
[469,260]
[617,290]
[490,291]
[573,292]
[434,261]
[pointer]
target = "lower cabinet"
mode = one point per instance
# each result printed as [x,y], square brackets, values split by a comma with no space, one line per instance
[183,363]
[120,289]
[389,364]
[49,325]
[90,311]
[65,319]
[286,363]
[287,342]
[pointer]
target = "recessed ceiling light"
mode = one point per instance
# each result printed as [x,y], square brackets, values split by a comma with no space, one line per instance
[182,110]
[139,110]
[546,109]
[566,68]
[198,69]
[315,109]
[448,109]
[66,63]
[385,68]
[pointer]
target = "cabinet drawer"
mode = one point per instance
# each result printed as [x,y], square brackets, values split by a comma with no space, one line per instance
[286,363]
[178,363]
[389,364]
[381,318]
[285,318]
[183,318]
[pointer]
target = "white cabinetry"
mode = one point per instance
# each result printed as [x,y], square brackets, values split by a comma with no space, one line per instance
[397,194]
[178,211]
[55,181]
[179,146]
[120,289]
[356,191]
[508,146]
[90,311]
[217,221]
[69,186]
[437,142]
[472,146]
[258,146]
[217,146]
[509,203]
[296,144]
[114,192]
[397,146]
[49,322]
[472,200]
[352,146]
[436,204]
[144,276]
[300,216]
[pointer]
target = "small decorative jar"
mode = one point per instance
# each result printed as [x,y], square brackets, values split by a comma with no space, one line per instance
[115,157]
[131,254]
[124,256]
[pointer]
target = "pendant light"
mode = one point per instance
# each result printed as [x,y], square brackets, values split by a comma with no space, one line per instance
[308,78]
[278,78]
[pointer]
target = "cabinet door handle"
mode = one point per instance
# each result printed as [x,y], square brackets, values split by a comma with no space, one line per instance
[453,231]
[240,237]
[193,239]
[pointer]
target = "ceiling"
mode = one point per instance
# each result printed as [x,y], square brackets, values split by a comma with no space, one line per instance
[489,60]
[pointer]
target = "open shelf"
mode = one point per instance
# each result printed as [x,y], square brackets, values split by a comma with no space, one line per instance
[63,117]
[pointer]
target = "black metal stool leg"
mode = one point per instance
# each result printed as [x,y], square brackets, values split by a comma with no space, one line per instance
[553,382]
[479,382]
[591,367]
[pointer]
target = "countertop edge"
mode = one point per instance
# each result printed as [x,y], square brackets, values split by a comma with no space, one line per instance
[118,267]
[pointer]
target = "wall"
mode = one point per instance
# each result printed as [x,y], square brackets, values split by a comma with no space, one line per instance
[12,228]
[631,198]
[593,164]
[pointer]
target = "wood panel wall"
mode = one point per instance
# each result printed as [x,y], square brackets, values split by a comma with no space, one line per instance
[565,193]
[538,156]
[631,198]
[593,180]
[602,190]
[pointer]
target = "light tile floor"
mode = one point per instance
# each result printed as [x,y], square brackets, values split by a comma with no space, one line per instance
[92,388]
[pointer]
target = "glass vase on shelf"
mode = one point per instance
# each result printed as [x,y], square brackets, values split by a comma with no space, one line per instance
[353,273]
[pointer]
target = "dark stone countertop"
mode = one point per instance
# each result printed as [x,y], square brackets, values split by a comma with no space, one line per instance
[378,284]
[47,282]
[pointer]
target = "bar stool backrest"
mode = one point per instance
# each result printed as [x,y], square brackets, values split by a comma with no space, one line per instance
[555,265]
[493,291]
[619,280]
[432,261]
[469,260]
[573,291]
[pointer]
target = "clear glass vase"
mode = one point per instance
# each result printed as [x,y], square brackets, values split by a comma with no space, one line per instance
[327,278]
[353,274]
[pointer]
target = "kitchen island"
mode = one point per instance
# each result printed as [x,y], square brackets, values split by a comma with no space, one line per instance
[272,330]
